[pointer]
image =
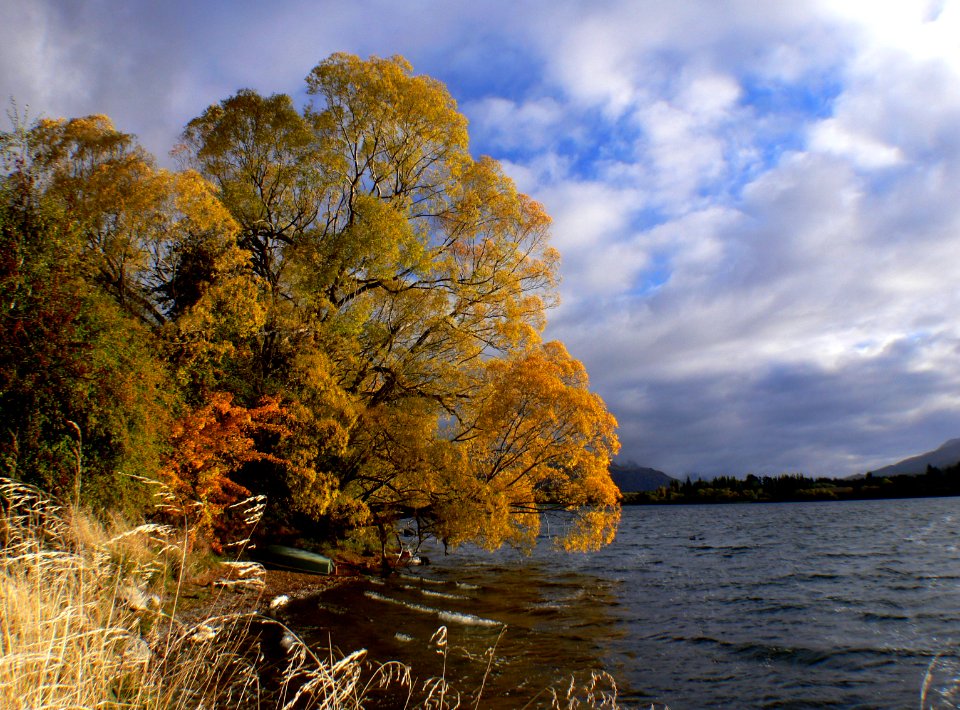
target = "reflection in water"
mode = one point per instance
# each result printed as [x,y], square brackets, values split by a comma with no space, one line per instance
[542,627]
[808,605]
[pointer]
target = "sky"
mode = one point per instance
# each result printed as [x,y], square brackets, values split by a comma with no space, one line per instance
[757,203]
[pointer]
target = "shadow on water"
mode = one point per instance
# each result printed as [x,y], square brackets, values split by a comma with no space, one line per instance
[820,605]
[542,626]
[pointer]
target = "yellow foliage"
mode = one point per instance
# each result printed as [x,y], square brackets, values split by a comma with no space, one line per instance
[261,155]
[398,301]
[157,240]
[537,435]
[210,287]
[200,209]
[402,130]
[531,437]
[110,191]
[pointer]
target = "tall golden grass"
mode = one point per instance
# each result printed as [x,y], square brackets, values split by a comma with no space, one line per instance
[89,619]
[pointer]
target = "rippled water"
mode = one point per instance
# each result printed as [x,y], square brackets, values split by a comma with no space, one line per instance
[802,605]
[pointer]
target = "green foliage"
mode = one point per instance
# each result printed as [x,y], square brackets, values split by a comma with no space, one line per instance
[75,370]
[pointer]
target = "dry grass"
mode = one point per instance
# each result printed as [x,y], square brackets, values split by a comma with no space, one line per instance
[599,692]
[88,619]
[86,622]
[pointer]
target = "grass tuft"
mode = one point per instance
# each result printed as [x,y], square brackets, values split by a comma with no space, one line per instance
[89,622]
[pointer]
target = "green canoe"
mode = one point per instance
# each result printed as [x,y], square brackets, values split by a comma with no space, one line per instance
[293,558]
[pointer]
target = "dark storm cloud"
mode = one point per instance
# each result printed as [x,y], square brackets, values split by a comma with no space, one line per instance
[854,418]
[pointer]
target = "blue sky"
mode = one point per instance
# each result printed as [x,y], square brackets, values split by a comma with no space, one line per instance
[757,203]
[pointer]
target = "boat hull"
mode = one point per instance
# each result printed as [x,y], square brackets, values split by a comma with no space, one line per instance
[293,558]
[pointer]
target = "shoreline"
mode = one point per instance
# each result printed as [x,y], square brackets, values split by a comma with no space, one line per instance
[201,600]
[300,585]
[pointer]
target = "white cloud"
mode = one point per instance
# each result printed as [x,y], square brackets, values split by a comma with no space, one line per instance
[590,226]
[844,239]
[830,136]
[507,125]
[755,202]
[685,154]
[919,30]
[711,97]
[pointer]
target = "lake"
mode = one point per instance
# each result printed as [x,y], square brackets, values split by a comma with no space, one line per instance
[796,605]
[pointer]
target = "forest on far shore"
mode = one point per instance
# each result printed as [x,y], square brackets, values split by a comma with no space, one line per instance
[797,487]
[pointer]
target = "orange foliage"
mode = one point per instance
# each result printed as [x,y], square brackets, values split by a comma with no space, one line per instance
[538,437]
[210,444]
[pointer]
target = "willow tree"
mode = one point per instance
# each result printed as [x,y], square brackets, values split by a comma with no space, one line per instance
[153,239]
[407,285]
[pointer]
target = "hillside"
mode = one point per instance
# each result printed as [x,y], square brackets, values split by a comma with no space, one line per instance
[945,456]
[631,478]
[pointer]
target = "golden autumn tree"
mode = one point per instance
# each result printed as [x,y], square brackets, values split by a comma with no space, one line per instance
[167,249]
[537,436]
[532,437]
[405,285]
[112,198]
[162,244]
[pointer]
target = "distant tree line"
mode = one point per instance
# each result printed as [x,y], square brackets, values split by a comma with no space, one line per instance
[797,487]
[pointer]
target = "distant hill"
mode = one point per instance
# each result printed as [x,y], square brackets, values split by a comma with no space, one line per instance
[631,478]
[947,455]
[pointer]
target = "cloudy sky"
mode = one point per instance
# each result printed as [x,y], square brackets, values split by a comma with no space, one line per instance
[758,203]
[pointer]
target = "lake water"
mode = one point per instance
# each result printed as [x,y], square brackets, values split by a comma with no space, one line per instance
[800,605]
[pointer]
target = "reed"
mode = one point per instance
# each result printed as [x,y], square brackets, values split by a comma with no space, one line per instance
[89,621]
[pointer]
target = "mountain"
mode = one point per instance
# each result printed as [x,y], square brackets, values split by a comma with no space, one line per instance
[947,455]
[631,478]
